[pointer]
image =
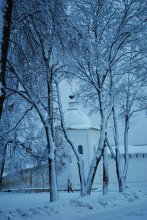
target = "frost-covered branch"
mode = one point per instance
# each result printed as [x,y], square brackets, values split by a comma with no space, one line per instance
[18,122]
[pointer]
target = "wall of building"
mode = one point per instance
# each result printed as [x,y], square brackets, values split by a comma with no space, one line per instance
[136,170]
[88,139]
[38,178]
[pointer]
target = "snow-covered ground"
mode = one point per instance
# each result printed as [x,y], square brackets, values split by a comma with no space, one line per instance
[131,205]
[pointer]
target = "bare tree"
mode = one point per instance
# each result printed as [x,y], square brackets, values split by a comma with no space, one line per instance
[38,44]
[7,20]
[104,32]
[131,93]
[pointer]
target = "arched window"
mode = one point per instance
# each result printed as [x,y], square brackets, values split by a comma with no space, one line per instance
[80,149]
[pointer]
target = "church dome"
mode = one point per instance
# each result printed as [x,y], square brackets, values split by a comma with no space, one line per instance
[76,119]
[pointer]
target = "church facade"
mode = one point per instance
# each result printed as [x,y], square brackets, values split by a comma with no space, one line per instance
[85,138]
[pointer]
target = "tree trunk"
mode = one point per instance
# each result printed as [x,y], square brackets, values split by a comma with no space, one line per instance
[97,157]
[53,180]
[119,172]
[52,167]
[121,184]
[3,60]
[4,50]
[3,150]
[105,172]
[123,173]
[126,155]
[82,177]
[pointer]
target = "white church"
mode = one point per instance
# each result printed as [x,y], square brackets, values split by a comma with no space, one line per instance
[85,137]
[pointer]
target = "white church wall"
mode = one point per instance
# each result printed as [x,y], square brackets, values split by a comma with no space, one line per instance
[93,142]
[87,138]
[80,137]
[63,177]
[136,171]
[112,171]
[34,179]
[75,174]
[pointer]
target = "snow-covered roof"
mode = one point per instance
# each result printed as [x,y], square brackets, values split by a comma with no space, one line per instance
[133,149]
[76,119]
[137,149]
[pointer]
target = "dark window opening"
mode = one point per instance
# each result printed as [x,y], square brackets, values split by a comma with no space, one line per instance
[80,149]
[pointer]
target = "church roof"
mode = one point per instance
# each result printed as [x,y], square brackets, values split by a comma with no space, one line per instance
[132,149]
[76,119]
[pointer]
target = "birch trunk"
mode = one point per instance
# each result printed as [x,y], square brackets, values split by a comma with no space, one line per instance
[3,150]
[126,147]
[3,60]
[97,157]
[121,184]
[105,172]
[119,172]
[4,50]
[53,180]
[52,167]
[51,156]
[82,177]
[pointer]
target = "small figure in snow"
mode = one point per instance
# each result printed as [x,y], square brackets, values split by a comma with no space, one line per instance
[69,186]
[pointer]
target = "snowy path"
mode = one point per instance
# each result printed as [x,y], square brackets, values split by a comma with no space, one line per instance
[131,205]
